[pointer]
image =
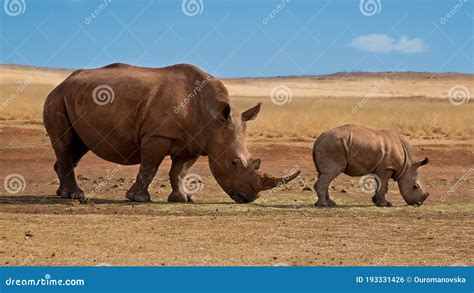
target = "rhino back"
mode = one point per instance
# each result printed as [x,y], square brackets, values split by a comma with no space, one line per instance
[136,103]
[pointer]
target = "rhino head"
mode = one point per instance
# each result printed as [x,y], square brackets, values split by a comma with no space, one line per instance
[410,186]
[230,161]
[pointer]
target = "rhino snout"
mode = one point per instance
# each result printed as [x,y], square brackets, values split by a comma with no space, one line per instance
[419,201]
[241,198]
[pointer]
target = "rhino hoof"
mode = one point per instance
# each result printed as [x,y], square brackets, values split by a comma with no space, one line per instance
[78,194]
[332,203]
[142,196]
[191,198]
[177,197]
[384,204]
[327,204]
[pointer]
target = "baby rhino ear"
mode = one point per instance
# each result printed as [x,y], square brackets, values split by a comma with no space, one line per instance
[421,162]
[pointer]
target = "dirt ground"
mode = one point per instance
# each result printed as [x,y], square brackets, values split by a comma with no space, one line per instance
[282,228]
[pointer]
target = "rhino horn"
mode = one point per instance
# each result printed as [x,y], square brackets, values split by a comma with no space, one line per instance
[268,181]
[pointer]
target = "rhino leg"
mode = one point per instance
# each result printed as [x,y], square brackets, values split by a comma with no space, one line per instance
[322,189]
[69,149]
[179,170]
[379,198]
[152,152]
[68,187]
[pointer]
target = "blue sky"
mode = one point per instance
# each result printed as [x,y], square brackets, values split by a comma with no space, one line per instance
[239,38]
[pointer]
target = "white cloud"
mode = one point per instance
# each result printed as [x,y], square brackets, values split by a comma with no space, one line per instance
[378,43]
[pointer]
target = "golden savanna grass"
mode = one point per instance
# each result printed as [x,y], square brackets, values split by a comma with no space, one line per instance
[413,104]
[307,118]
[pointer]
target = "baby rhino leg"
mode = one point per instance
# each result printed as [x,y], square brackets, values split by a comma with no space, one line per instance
[382,187]
[330,161]
[322,189]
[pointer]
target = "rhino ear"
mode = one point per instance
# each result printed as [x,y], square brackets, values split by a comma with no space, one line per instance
[420,163]
[251,113]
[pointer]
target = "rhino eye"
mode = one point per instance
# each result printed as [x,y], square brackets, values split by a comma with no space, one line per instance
[416,186]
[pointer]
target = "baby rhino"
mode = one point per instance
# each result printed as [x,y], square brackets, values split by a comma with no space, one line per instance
[358,151]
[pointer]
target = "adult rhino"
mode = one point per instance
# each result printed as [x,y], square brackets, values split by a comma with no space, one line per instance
[135,115]
[357,151]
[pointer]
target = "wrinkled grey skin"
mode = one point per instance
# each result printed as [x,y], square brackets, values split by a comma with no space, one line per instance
[358,151]
[178,111]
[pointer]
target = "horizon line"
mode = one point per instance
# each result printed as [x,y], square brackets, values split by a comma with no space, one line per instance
[337,73]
